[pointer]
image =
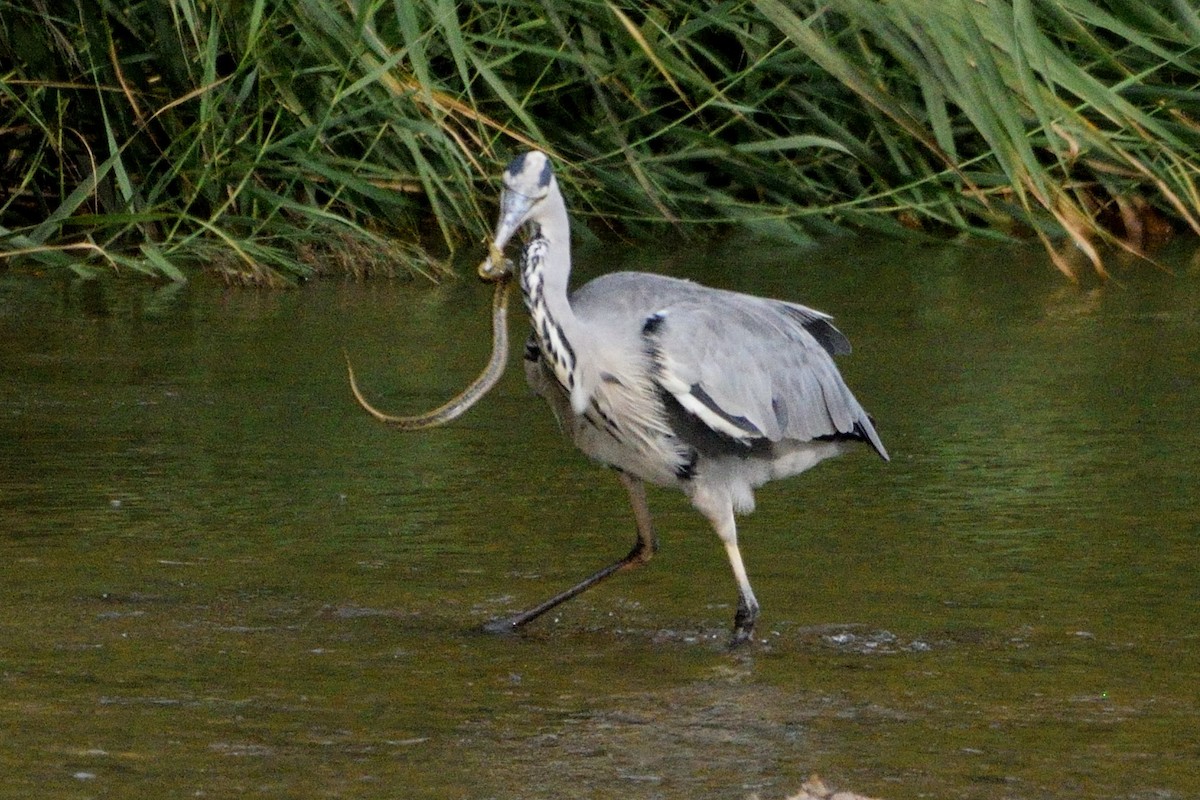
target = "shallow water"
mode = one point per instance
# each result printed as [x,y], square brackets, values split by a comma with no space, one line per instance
[222,579]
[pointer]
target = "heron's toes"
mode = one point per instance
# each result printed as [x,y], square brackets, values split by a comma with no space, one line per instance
[741,636]
[743,623]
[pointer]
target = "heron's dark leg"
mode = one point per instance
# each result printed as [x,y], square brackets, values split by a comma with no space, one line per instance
[719,511]
[643,550]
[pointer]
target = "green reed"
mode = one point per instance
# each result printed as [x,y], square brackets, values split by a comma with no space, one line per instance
[270,140]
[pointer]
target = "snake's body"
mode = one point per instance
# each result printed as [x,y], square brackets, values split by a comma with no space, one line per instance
[476,390]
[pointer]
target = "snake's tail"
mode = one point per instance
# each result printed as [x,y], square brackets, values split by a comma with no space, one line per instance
[408,423]
[469,396]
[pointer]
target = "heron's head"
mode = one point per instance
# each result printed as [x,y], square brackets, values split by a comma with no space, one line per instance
[528,181]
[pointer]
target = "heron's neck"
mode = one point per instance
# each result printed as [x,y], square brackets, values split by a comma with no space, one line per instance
[544,277]
[547,268]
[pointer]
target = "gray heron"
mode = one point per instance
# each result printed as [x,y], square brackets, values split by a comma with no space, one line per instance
[672,383]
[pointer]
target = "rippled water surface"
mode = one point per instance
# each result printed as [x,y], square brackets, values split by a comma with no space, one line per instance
[222,579]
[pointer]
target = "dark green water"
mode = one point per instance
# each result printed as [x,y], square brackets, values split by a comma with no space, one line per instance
[221,579]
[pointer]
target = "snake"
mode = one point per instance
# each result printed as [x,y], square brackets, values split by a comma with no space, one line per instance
[456,406]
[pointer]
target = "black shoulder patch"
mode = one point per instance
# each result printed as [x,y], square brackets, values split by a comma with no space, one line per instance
[653,323]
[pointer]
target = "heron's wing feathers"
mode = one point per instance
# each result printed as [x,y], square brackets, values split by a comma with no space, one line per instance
[752,368]
[818,325]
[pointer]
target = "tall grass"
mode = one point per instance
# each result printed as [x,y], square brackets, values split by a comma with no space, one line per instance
[270,139]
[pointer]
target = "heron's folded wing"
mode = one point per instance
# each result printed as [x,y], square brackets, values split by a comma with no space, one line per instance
[751,368]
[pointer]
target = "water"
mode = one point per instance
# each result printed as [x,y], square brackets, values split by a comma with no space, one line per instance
[222,579]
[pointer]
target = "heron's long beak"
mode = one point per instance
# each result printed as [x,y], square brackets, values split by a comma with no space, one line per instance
[514,211]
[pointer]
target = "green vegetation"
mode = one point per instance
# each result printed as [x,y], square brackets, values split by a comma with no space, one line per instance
[270,139]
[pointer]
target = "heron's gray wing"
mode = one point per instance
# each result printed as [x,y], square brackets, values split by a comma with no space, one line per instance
[752,368]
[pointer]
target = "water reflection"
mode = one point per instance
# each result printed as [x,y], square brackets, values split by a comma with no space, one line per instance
[222,578]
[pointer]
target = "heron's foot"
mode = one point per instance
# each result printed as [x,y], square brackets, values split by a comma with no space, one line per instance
[741,635]
[501,627]
[743,623]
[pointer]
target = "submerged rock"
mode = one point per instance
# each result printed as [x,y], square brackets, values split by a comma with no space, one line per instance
[815,789]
